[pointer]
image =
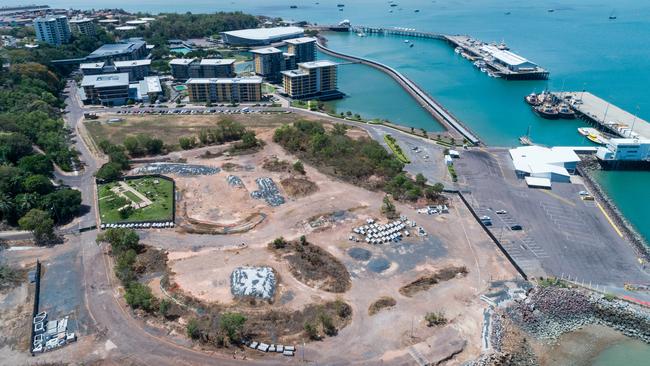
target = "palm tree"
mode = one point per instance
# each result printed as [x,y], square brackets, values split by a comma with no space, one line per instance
[6,206]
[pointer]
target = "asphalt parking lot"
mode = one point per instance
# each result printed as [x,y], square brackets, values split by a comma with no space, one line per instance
[61,291]
[561,234]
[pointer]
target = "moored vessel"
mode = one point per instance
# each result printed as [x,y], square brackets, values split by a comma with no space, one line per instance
[547,111]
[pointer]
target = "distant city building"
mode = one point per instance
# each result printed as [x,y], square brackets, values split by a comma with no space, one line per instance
[186,68]
[304,48]
[220,90]
[83,26]
[269,63]
[93,68]
[289,61]
[52,29]
[217,68]
[131,50]
[181,68]
[261,36]
[105,89]
[137,69]
[147,90]
[312,79]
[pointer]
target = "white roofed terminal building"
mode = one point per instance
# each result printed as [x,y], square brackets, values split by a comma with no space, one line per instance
[261,36]
[554,164]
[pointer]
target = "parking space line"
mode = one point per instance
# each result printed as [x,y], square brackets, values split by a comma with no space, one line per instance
[610,220]
[558,197]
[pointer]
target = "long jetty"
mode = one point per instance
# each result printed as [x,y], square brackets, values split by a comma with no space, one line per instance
[438,112]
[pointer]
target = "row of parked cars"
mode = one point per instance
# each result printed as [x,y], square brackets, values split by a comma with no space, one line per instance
[139,225]
[187,111]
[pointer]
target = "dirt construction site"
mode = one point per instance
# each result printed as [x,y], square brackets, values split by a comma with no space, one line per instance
[227,219]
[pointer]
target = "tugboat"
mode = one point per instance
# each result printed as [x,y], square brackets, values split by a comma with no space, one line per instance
[532,99]
[547,111]
[566,112]
[612,15]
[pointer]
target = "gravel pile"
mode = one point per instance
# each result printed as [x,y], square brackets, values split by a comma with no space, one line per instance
[235,181]
[268,191]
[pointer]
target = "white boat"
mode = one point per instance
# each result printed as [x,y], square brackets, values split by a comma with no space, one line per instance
[406,41]
[361,34]
[458,49]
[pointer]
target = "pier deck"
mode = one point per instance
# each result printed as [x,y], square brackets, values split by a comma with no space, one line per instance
[603,113]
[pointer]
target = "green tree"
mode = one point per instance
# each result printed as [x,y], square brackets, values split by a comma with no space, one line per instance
[420,180]
[109,171]
[297,166]
[40,224]
[310,330]
[233,325]
[121,240]
[38,184]
[186,143]
[388,208]
[63,204]
[139,296]
[193,330]
[36,164]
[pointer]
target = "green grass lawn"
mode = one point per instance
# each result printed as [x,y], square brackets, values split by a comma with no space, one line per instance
[161,194]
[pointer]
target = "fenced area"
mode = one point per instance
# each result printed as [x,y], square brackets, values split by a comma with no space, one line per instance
[138,199]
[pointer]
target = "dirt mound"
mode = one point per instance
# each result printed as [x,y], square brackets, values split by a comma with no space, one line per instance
[298,187]
[274,164]
[312,265]
[151,260]
[426,282]
[383,302]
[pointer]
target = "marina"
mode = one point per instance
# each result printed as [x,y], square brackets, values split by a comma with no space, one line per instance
[497,58]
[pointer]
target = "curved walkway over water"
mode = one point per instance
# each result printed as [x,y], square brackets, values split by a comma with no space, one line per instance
[441,114]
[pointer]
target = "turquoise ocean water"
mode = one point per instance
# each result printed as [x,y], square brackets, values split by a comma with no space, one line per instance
[576,42]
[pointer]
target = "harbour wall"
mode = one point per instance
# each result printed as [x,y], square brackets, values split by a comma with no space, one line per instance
[441,114]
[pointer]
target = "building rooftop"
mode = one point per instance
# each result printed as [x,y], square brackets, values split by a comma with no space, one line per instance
[295,73]
[112,49]
[507,57]
[316,64]
[217,61]
[182,61]
[538,159]
[301,40]
[144,62]
[136,22]
[150,84]
[107,21]
[266,51]
[106,80]
[80,20]
[50,18]
[242,80]
[92,65]
[266,34]
[126,28]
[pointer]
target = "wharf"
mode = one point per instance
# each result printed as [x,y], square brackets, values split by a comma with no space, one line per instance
[474,49]
[605,115]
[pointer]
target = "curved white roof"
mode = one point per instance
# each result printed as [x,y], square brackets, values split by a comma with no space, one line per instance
[266,34]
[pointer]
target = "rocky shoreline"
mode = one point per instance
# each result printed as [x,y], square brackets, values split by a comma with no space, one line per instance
[549,312]
[585,168]
[552,311]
